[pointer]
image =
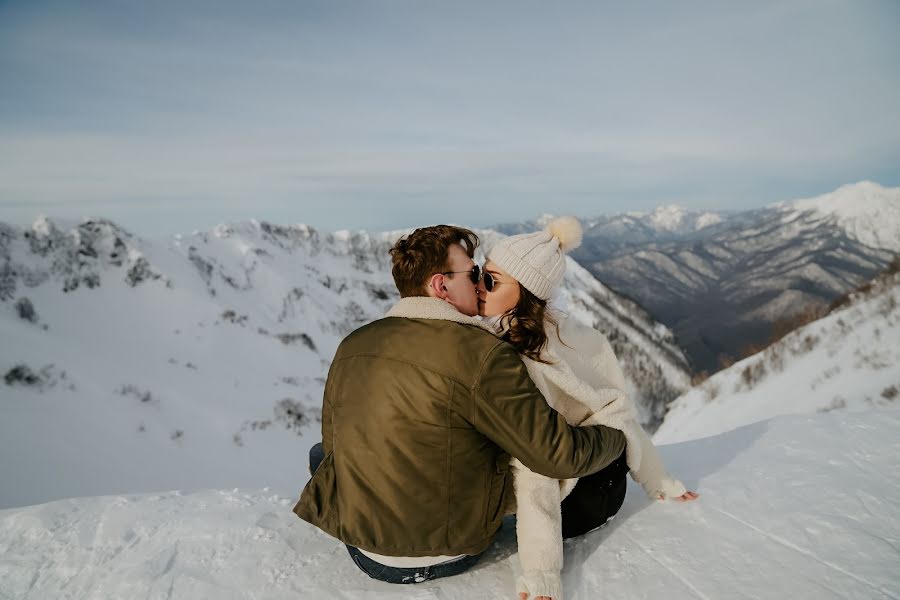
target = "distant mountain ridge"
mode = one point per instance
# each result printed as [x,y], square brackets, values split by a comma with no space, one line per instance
[868,212]
[721,279]
[610,234]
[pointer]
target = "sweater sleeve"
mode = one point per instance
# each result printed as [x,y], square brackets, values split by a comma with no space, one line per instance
[652,474]
[539,532]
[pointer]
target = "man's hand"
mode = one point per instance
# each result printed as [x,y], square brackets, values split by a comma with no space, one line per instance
[685,497]
[524,596]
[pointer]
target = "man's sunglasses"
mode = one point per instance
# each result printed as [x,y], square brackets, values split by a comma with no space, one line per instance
[474,273]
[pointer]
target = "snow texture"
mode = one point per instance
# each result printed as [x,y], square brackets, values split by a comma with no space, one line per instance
[796,507]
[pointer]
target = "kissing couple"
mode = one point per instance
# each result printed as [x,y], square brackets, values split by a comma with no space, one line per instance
[472,399]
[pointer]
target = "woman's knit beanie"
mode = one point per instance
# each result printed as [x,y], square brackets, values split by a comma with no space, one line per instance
[537,260]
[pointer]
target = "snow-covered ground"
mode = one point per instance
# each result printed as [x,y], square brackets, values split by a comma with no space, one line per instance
[796,507]
[848,360]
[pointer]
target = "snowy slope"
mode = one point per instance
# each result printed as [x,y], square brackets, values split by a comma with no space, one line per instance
[199,362]
[849,360]
[796,507]
[170,375]
[867,211]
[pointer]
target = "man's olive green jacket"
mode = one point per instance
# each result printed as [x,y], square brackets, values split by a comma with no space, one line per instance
[421,413]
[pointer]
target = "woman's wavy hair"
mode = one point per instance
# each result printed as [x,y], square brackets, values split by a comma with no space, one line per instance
[524,325]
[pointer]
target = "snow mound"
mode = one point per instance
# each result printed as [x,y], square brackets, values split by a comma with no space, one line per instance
[796,507]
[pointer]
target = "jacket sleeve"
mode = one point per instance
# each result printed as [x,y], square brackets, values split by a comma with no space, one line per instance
[510,410]
[539,531]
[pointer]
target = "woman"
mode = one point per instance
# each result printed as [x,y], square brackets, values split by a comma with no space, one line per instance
[575,368]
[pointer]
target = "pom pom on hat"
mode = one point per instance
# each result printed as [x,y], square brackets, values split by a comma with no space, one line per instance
[568,231]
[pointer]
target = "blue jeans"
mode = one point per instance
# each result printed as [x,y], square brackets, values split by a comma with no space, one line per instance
[381,572]
[376,570]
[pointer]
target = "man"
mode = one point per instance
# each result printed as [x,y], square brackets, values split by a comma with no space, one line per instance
[422,410]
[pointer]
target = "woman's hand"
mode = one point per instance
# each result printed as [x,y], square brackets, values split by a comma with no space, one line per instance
[524,596]
[685,497]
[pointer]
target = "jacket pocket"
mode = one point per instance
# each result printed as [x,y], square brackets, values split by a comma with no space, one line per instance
[497,481]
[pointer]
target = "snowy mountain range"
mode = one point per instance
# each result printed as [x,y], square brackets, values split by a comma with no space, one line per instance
[721,280]
[199,361]
[847,360]
[132,367]
[609,234]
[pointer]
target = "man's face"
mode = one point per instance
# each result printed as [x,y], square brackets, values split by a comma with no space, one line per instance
[458,288]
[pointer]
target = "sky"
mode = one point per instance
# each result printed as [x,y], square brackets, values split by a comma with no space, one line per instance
[172,116]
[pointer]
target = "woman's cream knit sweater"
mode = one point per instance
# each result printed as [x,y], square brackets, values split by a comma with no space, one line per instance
[584,383]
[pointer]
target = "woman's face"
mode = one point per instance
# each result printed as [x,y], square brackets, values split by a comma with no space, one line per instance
[502,298]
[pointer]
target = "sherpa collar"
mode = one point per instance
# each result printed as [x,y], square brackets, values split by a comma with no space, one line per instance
[426,307]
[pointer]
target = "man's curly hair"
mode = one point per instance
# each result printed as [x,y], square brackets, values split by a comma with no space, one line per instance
[421,254]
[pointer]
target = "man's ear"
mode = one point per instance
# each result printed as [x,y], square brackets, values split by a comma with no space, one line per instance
[436,287]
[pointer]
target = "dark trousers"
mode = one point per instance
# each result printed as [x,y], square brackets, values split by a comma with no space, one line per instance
[593,502]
